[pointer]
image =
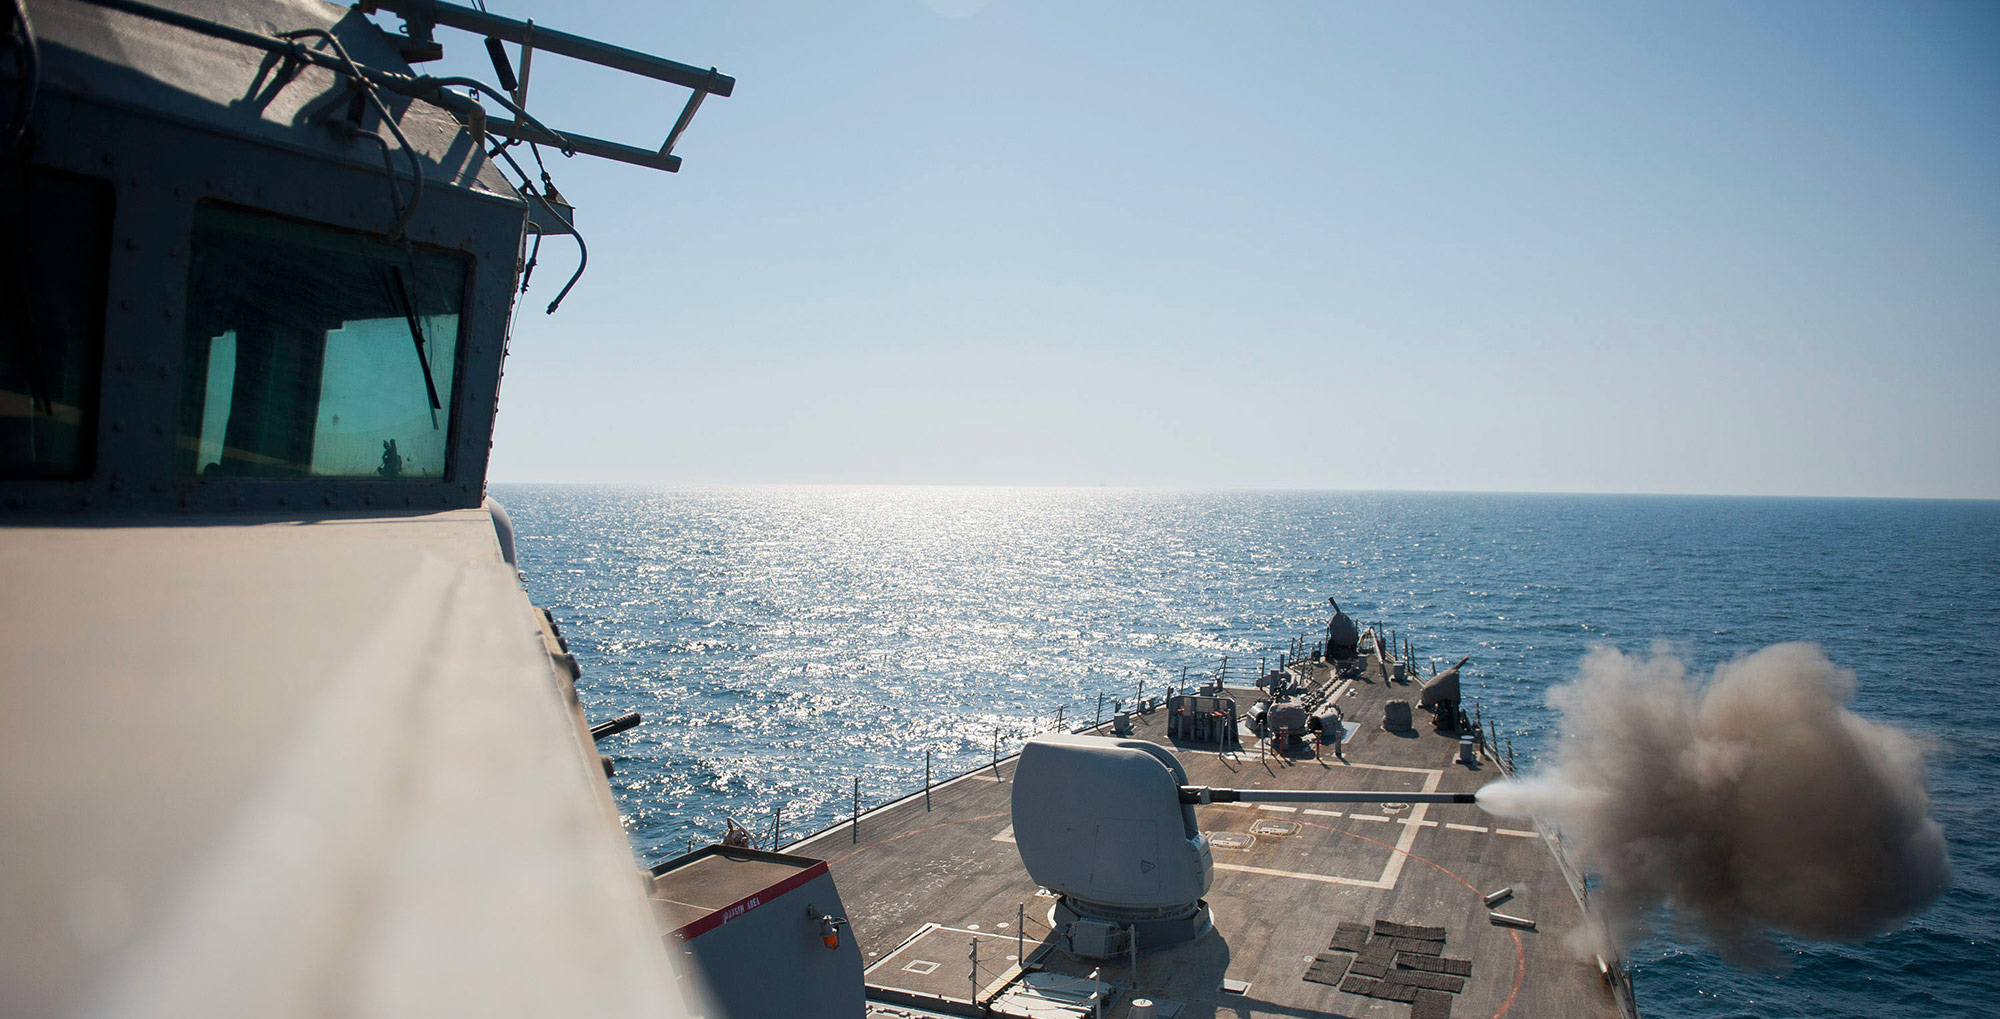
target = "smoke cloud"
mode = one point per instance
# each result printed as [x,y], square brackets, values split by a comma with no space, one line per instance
[1754,802]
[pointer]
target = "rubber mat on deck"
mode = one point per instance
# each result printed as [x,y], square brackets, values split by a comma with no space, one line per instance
[1349,937]
[1431,1005]
[1327,969]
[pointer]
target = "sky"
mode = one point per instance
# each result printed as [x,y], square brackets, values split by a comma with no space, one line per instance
[1747,248]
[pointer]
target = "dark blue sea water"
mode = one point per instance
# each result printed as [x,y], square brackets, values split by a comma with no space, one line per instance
[782,641]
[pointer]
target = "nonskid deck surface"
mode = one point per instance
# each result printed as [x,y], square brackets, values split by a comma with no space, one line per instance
[1305,898]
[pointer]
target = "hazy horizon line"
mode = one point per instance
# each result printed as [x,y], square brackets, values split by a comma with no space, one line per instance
[1244,488]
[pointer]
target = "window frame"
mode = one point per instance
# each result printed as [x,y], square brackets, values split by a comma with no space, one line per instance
[453,411]
[90,393]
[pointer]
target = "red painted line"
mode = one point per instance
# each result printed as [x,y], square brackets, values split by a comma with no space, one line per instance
[1520,952]
[717,918]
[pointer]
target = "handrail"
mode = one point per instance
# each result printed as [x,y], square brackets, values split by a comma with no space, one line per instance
[418,15]
[421,16]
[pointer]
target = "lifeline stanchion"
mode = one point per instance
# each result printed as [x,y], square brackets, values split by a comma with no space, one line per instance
[855,831]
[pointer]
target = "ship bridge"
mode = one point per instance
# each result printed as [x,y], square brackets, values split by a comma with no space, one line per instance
[282,732]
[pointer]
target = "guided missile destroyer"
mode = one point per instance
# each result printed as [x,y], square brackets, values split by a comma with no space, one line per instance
[1262,869]
[259,281]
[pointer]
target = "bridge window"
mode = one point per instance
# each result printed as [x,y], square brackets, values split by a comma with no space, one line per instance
[55,249]
[314,353]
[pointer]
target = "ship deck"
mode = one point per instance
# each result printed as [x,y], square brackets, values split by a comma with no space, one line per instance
[1305,900]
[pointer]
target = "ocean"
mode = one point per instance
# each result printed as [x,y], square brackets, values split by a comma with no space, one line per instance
[784,641]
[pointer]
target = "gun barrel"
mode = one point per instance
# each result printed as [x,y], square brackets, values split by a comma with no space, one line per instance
[1205,794]
[615,726]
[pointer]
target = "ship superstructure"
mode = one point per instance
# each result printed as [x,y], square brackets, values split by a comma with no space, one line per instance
[282,732]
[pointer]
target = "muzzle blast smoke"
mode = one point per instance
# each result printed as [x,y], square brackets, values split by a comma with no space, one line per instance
[1754,802]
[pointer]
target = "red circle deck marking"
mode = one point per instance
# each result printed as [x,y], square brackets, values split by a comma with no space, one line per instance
[1520,952]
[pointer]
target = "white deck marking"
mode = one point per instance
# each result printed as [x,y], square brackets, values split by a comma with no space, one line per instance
[1325,879]
[1466,827]
[1006,834]
[1276,807]
[1368,817]
[880,969]
[1412,820]
[1516,834]
[1322,813]
[1393,871]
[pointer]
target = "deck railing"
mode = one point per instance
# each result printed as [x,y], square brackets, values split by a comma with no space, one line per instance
[1228,671]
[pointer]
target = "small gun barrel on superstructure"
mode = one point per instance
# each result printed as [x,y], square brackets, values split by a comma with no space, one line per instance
[1205,794]
[615,726]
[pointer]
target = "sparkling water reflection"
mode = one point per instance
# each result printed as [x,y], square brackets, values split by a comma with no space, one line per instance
[782,642]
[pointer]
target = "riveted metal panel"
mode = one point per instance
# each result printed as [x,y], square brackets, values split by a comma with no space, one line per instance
[161,168]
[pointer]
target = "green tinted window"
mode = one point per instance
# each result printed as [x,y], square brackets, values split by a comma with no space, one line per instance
[311,352]
[55,246]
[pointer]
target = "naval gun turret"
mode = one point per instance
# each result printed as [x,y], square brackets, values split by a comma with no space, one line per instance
[1439,695]
[1108,825]
[1343,638]
[1100,822]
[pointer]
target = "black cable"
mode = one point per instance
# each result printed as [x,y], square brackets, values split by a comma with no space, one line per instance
[505,101]
[534,255]
[30,64]
[388,168]
[388,120]
[583,250]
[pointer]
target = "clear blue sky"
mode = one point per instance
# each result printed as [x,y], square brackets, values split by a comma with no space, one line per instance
[1674,247]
